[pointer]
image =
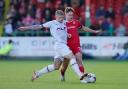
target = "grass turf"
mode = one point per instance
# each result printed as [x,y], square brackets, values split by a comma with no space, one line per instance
[17,74]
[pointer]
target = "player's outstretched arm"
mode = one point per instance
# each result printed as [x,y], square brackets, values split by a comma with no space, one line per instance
[33,27]
[86,29]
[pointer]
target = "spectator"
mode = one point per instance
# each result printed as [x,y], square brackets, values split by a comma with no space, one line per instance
[22,9]
[11,11]
[6,49]
[64,6]
[100,12]
[103,24]
[36,22]
[38,15]
[57,4]
[111,27]
[8,28]
[16,3]
[2,5]
[47,12]
[96,25]
[110,13]
[82,14]
[19,24]
[31,9]
[13,14]
[76,5]
[125,8]
[66,1]
[107,26]
[41,4]
[34,2]
[124,55]
[120,30]
[41,11]
[28,20]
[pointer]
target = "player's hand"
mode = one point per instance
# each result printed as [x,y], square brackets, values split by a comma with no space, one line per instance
[69,35]
[22,28]
[98,32]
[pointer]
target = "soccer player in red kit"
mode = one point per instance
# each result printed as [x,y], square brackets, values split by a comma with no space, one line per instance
[73,40]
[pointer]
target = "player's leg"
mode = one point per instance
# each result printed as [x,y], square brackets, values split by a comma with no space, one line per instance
[47,69]
[73,63]
[79,60]
[75,67]
[64,50]
[63,68]
[78,55]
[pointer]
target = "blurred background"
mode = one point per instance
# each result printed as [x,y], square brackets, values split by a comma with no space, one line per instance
[110,16]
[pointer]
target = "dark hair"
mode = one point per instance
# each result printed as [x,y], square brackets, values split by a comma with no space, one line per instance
[10,41]
[68,9]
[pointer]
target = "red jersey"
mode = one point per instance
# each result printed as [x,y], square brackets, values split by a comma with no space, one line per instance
[74,41]
[73,27]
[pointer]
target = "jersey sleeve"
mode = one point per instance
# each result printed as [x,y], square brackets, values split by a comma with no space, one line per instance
[47,24]
[79,25]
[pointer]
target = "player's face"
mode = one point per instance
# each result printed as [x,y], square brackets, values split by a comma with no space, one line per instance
[69,15]
[60,18]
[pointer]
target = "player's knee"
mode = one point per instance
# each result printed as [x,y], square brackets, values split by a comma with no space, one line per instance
[70,56]
[79,61]
[78,56]
[73,61]
[57,67]
[57,63]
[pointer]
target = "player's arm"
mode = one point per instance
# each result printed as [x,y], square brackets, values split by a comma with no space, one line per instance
[86,29]
[37,27]
[33,27]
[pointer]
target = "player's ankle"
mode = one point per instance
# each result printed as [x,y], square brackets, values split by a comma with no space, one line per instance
[83,76]
[62,73]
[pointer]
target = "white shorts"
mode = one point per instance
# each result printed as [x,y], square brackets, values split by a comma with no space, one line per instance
[61,50]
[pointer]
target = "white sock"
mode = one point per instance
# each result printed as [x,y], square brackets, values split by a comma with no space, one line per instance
[75,67]
[45,70]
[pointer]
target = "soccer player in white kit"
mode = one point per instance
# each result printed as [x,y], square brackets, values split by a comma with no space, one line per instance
[58,30]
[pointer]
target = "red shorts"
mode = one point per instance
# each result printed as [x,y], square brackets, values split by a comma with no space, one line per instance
[75,49]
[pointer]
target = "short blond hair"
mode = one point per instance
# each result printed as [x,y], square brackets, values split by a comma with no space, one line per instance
[59,12]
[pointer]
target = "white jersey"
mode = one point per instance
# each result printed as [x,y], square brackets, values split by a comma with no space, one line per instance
[58,30]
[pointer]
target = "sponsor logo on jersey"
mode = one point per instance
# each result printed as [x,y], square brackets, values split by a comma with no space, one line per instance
[61,28]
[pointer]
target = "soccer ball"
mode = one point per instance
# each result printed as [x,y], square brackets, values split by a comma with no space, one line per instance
[91,78]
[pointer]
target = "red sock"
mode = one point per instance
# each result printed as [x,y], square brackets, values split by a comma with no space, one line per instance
[81,69]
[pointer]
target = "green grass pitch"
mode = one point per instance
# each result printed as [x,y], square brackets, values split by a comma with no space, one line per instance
[17,74]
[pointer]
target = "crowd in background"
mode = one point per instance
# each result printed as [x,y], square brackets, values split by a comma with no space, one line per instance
[113,22]
[2,8]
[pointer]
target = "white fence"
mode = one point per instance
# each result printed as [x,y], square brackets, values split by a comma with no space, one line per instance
[43,46]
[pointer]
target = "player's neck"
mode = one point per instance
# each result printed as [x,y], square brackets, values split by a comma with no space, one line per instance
[69,20]
[59,21]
